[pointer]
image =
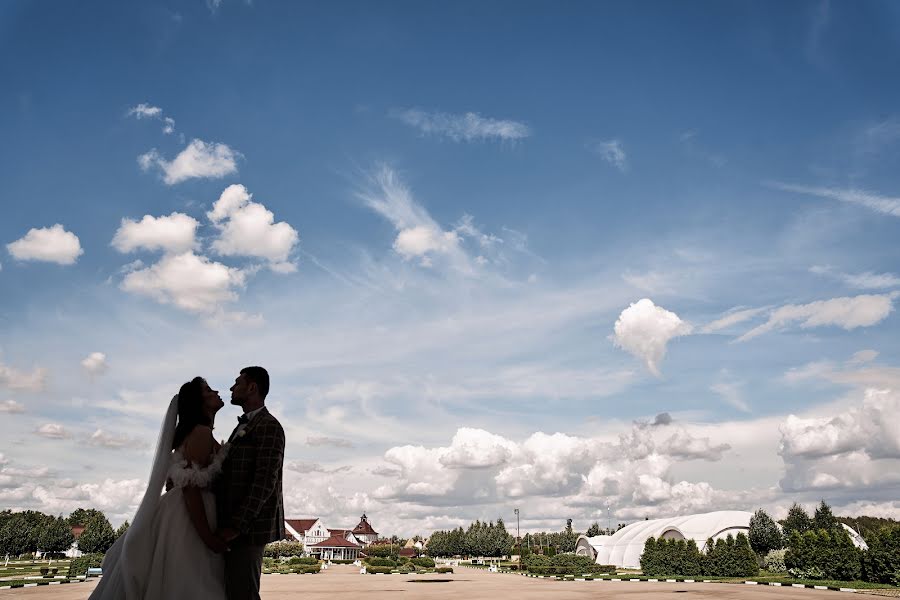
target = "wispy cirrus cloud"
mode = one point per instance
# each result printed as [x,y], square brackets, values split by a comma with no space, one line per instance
[466,127]
[885,205]
[612,151]
[865,281]
[147,111]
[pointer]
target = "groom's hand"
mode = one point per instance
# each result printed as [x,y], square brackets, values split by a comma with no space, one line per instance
[227,534]
[216,543]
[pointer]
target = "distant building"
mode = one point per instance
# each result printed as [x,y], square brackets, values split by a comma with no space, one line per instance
[364,532]
[73,551]
[328,543]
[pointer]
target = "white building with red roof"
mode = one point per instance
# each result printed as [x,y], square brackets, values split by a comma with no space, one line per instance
[327,543]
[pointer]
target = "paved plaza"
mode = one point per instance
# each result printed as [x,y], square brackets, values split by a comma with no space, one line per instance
[345,582]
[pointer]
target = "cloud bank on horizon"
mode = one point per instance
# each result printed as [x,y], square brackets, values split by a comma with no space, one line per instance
[474,294]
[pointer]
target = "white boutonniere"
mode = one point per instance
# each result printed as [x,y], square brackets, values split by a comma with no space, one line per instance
[241,433]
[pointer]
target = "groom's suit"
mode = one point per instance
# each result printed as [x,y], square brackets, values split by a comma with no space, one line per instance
[249,500]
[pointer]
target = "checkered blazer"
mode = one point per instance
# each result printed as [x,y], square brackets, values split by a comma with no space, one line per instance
[248,491]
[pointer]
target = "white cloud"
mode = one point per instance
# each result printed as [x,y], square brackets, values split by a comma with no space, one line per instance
[10,407]
[864,281]
[322,440]
[190,282]
[644,329]
[53,431]
[48,244]
[247,228]
[612,152]
[466,127]
[95,363]
[862,357]
[145,111]
[14,379]
[110,440]
[199,160]
[730,392]
[476,449]
[880,204]
[846,312]
[732,318]
[172,233]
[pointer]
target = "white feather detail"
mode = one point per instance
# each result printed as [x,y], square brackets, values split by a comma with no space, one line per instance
[181,474]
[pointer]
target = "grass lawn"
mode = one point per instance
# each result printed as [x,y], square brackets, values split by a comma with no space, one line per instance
[19,569]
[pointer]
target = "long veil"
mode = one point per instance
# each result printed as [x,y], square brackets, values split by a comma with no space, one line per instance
[126,564]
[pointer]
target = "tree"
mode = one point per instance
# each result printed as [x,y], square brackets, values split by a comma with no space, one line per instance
[824,518]
[797,520]
[593,530]
[13,535]
[764,533]
[82,516]
[56,536]
[122,529]
[98,535]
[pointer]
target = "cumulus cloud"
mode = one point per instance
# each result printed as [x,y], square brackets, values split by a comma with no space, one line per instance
[476,449]
[25,381]
[881,204]
[48,244]
[612,152]
[847,312]
[53,431]
[95,363]
[198,160]
[173,233]
[106,439]
[247,228]
[644,329]
[11,407]
[468,127]
[188,281]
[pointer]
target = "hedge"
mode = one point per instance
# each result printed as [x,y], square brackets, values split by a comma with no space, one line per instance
[562,564]
[423,561]
[823,555]
[280,549]
[375,570]
[80,565]
[729,557]
[303,560]
[444,570]
[881,564]
[376,561]
[306,569]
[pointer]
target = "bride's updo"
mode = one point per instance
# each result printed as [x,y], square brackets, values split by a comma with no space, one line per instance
[190,410]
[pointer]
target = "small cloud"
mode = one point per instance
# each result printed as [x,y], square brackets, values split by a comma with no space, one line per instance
[468,127]
[17,380]
[108,440]
[864,281]
[328,441]
[732,318]
[49,244]
[146,111]
[644,329]
[52,431]
[11,407]
[862,357]
[95,363]
[885,205]
[731,394]
[199,160]
[662,419]
[173,233]
[612,152]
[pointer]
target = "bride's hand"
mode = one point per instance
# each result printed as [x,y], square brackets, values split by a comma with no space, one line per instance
[215,543]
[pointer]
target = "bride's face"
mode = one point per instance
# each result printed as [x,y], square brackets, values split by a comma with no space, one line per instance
[211,400]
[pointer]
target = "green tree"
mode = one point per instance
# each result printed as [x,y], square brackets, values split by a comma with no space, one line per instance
[122,529]
[56,536]
[764,533]
[13,535]
[593,530]
[797,520]
[98,535]
[82,516]
[824,518]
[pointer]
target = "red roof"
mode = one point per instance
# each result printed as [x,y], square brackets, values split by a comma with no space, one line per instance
[343,532]
[364,528]
[77,530]
[336,541]
[301,526]
[407,552]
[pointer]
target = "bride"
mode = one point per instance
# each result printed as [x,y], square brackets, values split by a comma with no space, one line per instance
[170,551]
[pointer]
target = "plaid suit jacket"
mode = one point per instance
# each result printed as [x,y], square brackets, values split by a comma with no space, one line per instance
[248,491]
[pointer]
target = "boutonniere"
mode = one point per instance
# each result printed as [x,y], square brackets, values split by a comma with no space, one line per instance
[241,433]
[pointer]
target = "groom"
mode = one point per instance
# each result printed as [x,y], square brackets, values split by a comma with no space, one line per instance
[249,503]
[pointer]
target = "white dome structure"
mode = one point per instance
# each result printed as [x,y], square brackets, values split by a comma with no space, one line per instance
[624,547]
[589,546]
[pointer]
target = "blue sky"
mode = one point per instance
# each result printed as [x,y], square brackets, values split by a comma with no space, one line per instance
[481,247]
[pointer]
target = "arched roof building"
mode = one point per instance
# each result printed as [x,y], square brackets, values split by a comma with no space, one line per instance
[589,546]
[624,548]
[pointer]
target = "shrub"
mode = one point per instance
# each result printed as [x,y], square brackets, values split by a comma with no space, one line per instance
[810,573]
[268,562]
[444,570]
[561,564]
[376,561]
[80,565]
[774,561]
[383,550]
[280,549]
[342,561]
[303,560]
[374,570]
[832,553]
[881,564]
[423,561]
[670,557]
[306,569]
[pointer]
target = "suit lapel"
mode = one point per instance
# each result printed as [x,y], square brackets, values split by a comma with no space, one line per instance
[253,423]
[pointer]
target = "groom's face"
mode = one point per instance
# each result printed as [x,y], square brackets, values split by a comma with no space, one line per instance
[239,391]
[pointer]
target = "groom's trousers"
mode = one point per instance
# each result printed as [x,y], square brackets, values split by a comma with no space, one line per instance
[243,568]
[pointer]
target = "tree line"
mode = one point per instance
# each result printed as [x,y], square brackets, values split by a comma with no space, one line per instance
[492,539]
[31,531]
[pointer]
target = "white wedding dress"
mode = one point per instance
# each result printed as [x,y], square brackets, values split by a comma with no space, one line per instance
[161,556]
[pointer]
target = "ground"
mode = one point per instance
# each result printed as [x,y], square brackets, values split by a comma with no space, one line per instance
[346,582]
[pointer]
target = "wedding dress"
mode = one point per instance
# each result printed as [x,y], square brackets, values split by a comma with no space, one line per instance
[161,556]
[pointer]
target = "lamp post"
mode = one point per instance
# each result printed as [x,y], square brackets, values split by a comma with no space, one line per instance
[518,540]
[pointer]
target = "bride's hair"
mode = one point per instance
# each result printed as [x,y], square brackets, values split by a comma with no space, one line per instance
[190,410]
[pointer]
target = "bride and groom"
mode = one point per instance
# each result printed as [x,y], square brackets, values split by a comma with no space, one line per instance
[205,536]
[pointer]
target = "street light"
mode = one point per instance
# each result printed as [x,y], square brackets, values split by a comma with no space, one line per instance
[518,540]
